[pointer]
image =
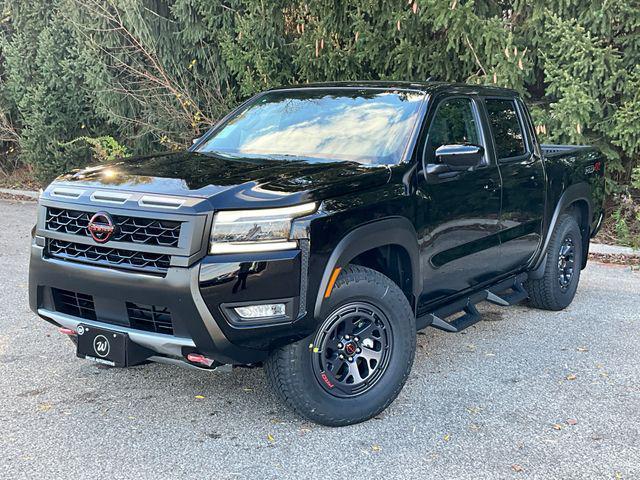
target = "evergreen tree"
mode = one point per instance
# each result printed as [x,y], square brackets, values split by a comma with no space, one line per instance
[44,81]
[152,72]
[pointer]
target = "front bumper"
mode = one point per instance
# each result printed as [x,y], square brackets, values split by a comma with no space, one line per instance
[196,330]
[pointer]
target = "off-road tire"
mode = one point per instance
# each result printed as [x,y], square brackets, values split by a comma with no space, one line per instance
[546,293]
[290,370]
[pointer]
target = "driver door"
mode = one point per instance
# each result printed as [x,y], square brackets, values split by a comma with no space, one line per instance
[457,212]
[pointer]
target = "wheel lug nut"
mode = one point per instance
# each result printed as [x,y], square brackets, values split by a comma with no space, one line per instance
[356,339]
[351,359]
[358,350]
[347,337]
[341,357]
[340,345]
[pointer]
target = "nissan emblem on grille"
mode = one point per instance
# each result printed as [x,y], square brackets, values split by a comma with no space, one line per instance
[101,227]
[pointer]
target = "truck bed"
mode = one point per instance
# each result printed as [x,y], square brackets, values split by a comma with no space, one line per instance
[549,149]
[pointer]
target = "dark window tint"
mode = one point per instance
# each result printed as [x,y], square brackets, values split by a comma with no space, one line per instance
[506,129]
[454,124]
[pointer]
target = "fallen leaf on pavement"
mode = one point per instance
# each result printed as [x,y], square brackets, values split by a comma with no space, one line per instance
[582,349]
[571,376]
[376,448]
[556,426]
[270,438]
[44,407]
[199,397]
[517,468]
[447,437]
[572,421]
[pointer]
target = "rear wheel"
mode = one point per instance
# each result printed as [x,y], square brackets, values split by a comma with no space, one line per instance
[358,359]
[556,289]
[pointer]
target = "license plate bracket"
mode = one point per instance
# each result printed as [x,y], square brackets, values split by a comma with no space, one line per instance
[100,345]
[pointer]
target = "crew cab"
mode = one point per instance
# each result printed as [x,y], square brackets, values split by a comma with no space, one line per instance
[313,231]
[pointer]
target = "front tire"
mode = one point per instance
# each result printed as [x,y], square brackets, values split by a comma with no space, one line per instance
[359,358]
[556,289]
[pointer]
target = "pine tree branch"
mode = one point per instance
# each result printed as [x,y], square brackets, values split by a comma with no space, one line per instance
[475,55]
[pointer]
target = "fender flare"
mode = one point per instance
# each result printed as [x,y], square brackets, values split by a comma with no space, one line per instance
[388,231]
[573,193]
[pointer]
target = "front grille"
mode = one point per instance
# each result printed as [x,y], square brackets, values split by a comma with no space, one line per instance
[109,257]
[150,318]
[73,303]
[147,231]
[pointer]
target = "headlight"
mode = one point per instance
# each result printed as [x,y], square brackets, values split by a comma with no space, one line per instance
[257,230]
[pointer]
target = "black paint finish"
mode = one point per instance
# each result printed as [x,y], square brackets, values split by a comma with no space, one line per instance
[439,232]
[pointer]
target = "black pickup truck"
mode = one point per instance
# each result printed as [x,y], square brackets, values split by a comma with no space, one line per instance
[313,231]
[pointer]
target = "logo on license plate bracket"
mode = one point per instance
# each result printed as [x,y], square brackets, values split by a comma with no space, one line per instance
[101,346]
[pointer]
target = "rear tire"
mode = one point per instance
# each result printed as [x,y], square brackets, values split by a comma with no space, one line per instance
[372,326]
[556,289]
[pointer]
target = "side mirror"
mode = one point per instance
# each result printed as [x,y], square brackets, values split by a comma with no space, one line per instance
[459,157]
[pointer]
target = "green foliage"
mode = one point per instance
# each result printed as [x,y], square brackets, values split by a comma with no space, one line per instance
[155,73]
[626,221]
[256,49]
[586,77]
[105,149]
[43,77]
[635,178]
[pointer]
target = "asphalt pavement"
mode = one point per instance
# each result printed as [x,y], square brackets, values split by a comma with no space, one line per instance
[523,394]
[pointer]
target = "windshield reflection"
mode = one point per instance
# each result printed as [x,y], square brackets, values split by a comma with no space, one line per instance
[365,126]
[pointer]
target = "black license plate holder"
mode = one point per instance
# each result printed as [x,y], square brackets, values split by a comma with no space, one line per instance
[107,347]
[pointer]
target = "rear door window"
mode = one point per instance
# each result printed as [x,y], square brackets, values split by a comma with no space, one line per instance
[505,128]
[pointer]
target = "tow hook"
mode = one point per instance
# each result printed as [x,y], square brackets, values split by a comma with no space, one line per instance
[200,359]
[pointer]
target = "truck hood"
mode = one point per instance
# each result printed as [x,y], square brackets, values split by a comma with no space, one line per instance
[231,182]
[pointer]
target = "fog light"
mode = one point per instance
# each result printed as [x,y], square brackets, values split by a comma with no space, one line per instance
[261,311]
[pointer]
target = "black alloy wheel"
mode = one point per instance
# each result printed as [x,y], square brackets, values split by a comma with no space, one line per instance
[354,346]
[566,262]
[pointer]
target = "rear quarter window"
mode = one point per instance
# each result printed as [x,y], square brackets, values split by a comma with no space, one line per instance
[505,128]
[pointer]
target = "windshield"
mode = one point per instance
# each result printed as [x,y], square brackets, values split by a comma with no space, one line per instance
[367,126]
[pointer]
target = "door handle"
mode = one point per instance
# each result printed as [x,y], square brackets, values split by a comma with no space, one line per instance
[439,171]
[436,169]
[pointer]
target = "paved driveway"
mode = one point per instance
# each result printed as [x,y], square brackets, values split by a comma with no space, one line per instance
[525,394]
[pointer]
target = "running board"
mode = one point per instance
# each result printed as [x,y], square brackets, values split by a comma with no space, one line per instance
[515,293]
[470,317]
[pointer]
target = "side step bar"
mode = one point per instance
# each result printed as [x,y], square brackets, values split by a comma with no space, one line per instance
[505,293]
[470,317]
[517,294]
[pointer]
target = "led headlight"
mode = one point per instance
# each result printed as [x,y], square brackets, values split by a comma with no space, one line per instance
[257,230]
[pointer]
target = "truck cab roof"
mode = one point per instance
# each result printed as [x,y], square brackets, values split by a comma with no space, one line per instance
[429,87]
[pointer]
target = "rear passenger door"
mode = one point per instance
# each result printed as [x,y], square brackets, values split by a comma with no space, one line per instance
[523,181]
